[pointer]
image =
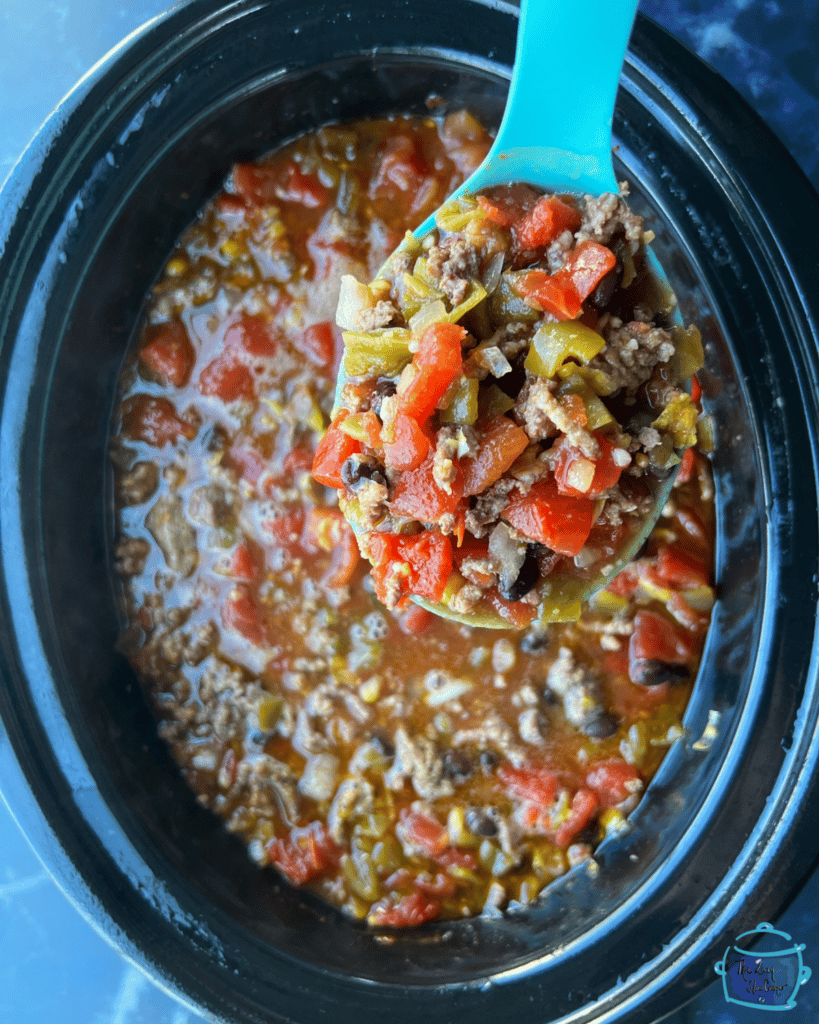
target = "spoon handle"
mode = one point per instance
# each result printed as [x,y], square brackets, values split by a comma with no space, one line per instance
[556,130]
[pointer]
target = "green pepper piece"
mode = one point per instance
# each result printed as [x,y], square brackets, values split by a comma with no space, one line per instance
[494,402]
[384,353]
[553,344]
[597,415]
[463,405]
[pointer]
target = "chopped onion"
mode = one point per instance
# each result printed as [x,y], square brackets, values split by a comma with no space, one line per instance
[430,313]
[491,358]
[493,273]
[353,298]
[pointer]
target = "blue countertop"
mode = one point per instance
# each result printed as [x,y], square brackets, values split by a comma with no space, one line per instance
[54,968]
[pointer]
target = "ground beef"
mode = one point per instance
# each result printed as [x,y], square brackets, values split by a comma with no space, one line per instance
[607,215]
[453,263]
[558,250]
[209,506]
[130,556]
[370,319]
[632,351]
[419,760]
[354,798]
[139,483]
[488,507]
[174,535]
[543,415]
[492,733]
[445,459]
[579,690]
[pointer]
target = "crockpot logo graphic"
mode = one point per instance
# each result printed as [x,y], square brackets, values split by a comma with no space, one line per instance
[767,977]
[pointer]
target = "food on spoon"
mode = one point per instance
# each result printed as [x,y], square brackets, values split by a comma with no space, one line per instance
[401,767]
[514,398]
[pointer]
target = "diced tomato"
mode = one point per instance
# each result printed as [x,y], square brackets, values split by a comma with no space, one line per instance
[287,529]
[419,564]
[415,620]
[563,292]
[587,265]
[548,218]
[436,364]
[227,378]
[614,781]
[616,662]
[251,336]
[168,353]
[154,420]
[454,858]
[265,184]
[655,638]
[399,167]
[532,783]
[696,390]
[305,854]
[497,212]
[417,494]
[231,208]
[409,445]
[625,582]
[429,555]
[687,464]
[304,187]
[318,343]
[328,530]
[550,292]
[245,564]
[518,613]
[409,912]
[421,832]
[694,529]
[241,614]
[333,451]
[254,184]
[606,471]
[442,886]
[680,568]
[560,522]
[694,621]
[500,442]
[584,807]
[247,462]
[298,459]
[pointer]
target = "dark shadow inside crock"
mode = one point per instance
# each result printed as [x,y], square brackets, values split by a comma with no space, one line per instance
[210,918]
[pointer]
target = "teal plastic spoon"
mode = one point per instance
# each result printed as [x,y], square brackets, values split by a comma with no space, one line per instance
[556,129]
[556,135]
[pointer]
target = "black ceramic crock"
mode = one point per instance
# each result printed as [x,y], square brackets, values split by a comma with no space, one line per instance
[724,835]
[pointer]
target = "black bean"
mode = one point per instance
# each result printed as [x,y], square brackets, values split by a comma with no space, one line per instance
[589,834]
[385,388]
[458,766]
[600,727]
[383,744]
[535,642]
[214,438]
[489,761]
[648,672]
[605,290]
[480,822]
[358,468]
[527,577]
